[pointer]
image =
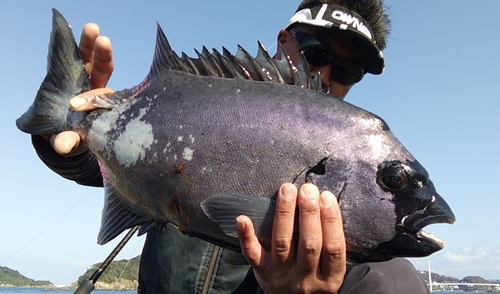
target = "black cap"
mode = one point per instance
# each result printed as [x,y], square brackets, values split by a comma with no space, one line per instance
[340,18]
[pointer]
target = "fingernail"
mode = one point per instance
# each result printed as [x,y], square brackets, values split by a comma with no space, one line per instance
[310,192]
[77,102]
[327,200]
[287,192]
[240,223]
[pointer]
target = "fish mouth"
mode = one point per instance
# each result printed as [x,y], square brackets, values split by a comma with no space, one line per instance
[437,211]
[410,239]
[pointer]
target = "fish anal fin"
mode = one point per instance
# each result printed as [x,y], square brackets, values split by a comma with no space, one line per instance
[116,217]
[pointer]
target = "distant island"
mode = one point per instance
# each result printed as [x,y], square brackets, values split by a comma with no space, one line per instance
[12,278]
[122,275]
[436,278]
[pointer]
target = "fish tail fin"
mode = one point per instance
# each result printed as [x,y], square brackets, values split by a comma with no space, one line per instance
[66,78]
[224,208]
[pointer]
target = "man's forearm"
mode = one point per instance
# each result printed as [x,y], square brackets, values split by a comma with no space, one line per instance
[83,168]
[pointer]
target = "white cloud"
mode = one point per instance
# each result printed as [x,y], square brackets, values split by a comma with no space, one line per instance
[81,263]
[469,254]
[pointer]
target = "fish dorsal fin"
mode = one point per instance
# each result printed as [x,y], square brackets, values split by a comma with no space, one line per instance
[163,59]
[116,217]
[239,66]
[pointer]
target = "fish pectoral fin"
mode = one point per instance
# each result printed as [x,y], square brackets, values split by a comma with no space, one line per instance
[224,208]
[116,218]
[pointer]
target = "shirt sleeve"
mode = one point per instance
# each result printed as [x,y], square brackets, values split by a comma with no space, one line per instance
[395,276]
[82,168]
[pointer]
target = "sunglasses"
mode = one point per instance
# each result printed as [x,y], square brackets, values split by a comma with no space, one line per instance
[343,71]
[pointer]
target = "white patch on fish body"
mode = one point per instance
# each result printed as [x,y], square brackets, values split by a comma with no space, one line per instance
[187,154]
[98,132]
[192,138]
[380,148]
[371,122]
[132,144]
[179,138]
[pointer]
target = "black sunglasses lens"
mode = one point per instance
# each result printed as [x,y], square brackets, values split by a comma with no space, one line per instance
[346,74]
[317,56]
[343,71]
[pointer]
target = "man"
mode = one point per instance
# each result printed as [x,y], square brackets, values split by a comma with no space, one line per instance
[340,45]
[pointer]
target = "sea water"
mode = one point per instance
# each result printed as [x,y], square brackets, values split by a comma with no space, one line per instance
[43,291]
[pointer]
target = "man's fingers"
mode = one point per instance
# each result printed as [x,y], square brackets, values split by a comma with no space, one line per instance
[85,101]
[333,254]
[250,246]
[103,63]
[87,41]
[97,56]
[310,239]
[283,228]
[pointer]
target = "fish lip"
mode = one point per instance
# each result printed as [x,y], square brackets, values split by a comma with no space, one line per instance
[437,211]
[414,223]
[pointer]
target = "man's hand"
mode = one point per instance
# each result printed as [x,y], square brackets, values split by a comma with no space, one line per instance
[98,61]
[316,262]
[97,56]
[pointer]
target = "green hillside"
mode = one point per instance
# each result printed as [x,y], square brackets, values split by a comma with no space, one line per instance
[12,278]
[120,275]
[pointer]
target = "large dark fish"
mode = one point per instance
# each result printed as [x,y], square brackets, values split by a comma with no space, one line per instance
[198,142]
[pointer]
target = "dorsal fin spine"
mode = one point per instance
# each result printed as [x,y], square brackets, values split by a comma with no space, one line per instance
[266,62]
[253,67]
[206,67]
[230,70]
[213,63]
[189,61]
[237,63]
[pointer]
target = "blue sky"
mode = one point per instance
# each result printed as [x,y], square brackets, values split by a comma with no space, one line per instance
[439,95]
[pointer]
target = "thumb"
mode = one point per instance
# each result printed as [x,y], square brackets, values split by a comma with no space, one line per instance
[86,101]
[67,143]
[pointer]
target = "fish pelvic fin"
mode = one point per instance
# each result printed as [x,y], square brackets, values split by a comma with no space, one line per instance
[66,78]
[116,217]
[223,209]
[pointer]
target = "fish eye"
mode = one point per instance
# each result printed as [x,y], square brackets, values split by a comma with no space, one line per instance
[394,177]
